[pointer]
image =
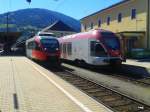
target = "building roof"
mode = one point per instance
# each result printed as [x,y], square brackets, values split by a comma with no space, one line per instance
[59,26]
[114,5]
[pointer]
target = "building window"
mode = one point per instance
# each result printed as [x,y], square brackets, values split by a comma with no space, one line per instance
[108,20]
[92,25]
[133,14]
[119,17]
[99,23]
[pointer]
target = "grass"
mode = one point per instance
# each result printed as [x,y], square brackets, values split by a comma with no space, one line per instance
[5,25]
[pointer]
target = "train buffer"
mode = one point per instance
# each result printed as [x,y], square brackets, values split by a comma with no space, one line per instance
[27,87]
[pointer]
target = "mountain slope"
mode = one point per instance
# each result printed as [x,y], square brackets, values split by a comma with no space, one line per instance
[36,18]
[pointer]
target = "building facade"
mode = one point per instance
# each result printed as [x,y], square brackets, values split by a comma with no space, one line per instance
[128,18]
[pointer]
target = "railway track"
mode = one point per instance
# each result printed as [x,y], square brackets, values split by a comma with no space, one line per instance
[118,74]
[142,81]
[112,99]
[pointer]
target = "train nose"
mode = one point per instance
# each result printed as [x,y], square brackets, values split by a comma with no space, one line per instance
[114,53]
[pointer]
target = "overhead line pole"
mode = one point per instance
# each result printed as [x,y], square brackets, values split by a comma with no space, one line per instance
[148,26]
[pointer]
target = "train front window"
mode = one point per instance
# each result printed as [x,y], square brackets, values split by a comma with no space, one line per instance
[97,49]
[46,34]
[50,44]
[110,40]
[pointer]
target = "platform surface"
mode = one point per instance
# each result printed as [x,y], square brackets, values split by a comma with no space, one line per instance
[27,87]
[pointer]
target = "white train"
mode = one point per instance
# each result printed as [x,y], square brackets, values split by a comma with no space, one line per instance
[96,47]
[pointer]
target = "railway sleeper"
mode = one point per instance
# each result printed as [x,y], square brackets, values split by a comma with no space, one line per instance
[70,79]
[90,91]
[80,82]
[77,82]
[66,75]
[81,86]
[112,98]
[99,95]
[118,103]
[89,87]
[84,85]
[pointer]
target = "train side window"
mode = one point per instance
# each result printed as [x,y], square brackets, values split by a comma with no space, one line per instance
[92,48]
[64,48]
[60,47]
[69,48]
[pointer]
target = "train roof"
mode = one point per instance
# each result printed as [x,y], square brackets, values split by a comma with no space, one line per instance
[39,37]
[45,34]
[91,32]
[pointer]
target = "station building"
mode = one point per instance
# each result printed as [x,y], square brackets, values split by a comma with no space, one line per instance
[128,18]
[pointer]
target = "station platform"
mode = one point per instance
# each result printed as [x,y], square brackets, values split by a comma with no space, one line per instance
[140,63]
[27,87]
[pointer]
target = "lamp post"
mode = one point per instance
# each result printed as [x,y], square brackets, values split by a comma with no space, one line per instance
[148,27]
[7,26]
[28,1]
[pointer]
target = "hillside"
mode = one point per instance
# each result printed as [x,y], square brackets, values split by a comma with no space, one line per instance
[35,19]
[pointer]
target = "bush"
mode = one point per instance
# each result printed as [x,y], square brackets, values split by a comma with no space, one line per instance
[140,53]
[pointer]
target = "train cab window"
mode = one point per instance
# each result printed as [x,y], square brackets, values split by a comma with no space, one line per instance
[97,49]
[110,40]
[37,47]
[31,45]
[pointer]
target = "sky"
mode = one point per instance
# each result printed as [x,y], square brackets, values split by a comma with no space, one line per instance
[74,8]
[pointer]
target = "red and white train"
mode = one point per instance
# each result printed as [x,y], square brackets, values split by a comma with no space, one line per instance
[43,47]
[96,47]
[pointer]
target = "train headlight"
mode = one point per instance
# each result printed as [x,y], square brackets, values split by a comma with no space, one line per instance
[45,49]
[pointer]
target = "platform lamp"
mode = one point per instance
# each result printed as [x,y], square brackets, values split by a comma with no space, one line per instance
[7,25]
[29,1]
[148,22]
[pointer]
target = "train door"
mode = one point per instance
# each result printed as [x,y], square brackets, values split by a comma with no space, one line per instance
[64,50]
[30,47]
[82,50]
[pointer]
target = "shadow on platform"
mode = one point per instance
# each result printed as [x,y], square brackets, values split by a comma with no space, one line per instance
[134,71]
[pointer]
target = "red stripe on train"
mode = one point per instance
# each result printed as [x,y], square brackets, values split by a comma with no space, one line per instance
[39,55]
